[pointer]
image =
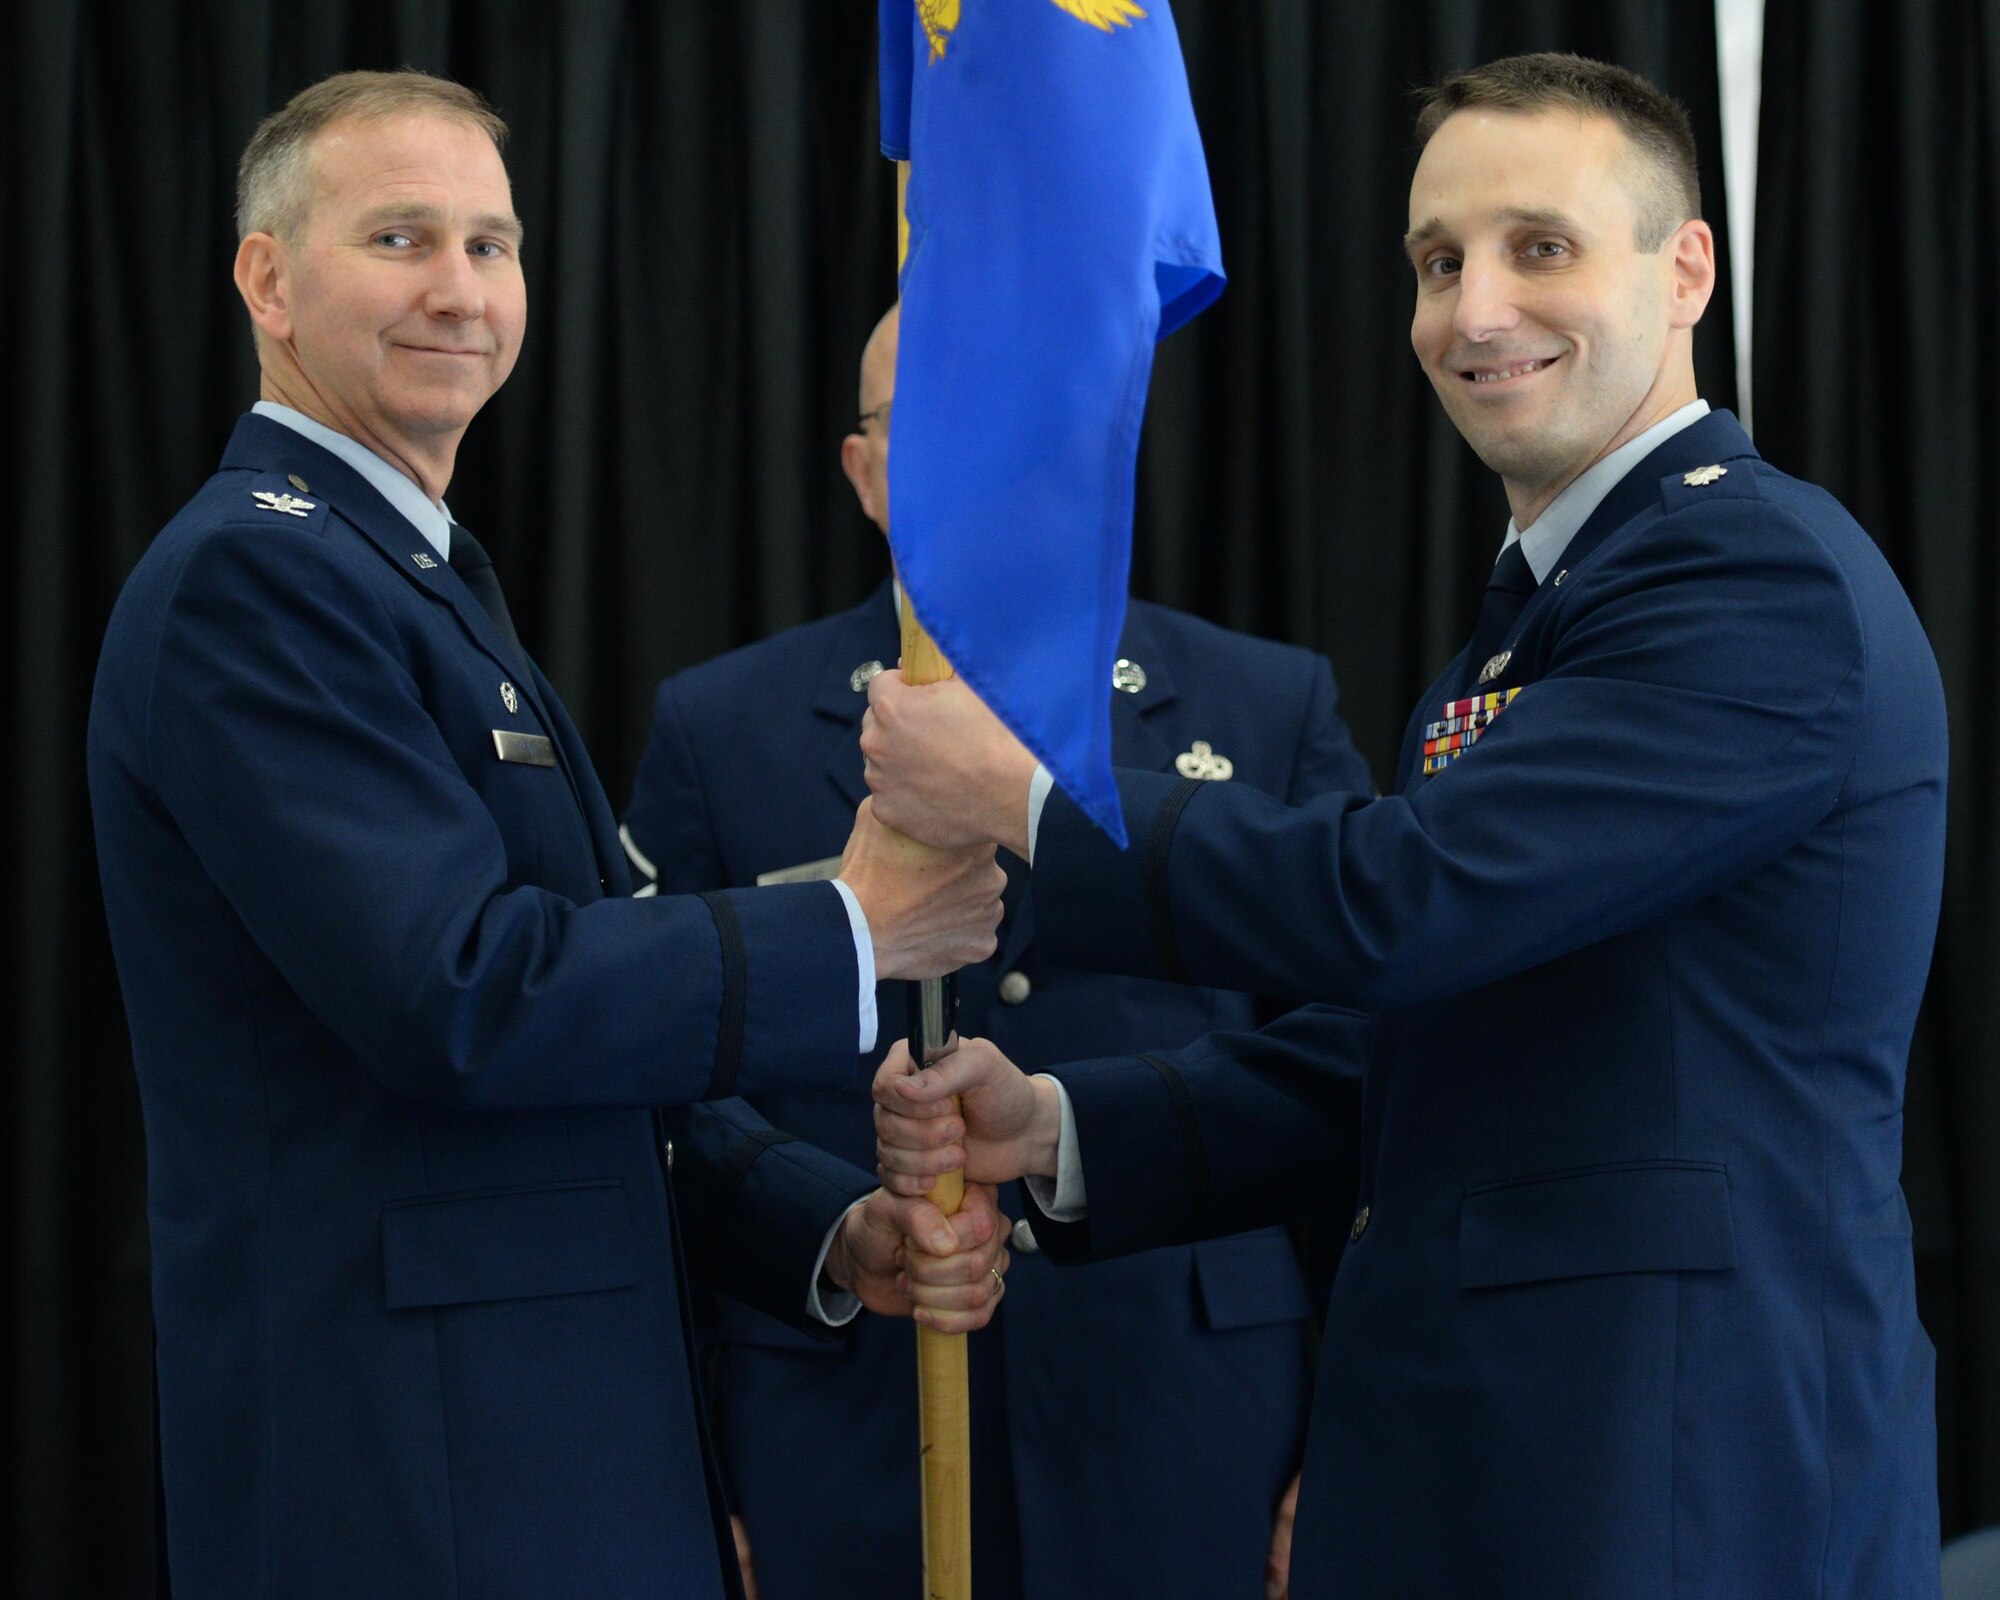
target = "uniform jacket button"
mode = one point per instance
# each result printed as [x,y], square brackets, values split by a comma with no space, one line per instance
[670,1155]
[1015,988]
[1024,1238]
[1360,1225]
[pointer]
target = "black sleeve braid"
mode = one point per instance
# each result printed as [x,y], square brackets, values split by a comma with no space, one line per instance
[1194,1151]
[735,999]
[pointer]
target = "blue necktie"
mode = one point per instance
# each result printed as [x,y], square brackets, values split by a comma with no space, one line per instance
[475,569]
[1507,592]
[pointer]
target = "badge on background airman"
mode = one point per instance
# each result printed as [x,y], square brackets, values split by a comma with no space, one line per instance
[1702,477]
[290,505]
[1496,666]
[1202,762]
[1128,677]
[509,696]
[863,675]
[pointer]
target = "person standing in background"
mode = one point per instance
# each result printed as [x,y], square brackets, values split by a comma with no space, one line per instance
[1180,1375]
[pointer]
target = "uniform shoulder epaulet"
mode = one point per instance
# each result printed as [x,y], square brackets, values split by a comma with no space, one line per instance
[1720,480]
[282,499]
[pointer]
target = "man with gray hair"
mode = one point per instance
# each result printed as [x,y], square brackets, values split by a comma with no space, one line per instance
[415,1068]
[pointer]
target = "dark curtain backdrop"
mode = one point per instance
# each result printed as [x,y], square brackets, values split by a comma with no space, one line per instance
[1877,349]
[709,241]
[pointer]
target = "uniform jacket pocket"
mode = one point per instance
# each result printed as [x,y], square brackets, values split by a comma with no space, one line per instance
[1250,1279]
[508,1244]
[1635,1216]
[736,1323]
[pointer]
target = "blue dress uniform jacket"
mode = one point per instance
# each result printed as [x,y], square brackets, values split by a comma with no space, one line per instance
[1628,1310]
[1144,1413]
[397,1024]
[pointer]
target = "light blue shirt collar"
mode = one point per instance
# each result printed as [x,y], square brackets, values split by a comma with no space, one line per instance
[431,518]
[1544,541]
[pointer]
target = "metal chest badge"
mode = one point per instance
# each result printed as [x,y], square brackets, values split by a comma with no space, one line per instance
[1202,762]
[1458,730]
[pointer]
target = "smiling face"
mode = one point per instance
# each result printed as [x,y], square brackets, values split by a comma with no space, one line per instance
[1549,335]
[400,309]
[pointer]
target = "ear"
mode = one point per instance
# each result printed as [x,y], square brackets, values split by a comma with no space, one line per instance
[858,462]
[1691,263]
[263,278]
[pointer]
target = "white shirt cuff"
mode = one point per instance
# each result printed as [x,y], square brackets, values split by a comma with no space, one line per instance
[864,963]
[1062,1198]
[837,1307]
[1038,796]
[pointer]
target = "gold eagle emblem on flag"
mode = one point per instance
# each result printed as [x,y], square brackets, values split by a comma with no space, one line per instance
[940,17]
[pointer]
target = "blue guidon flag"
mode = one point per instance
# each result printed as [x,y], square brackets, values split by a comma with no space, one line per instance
[1060,223]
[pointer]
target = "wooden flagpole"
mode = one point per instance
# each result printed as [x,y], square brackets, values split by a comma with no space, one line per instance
[944,1411]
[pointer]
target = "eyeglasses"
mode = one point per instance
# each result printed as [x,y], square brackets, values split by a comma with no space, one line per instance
[879,414]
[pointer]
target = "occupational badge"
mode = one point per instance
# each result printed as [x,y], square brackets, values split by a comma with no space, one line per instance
[863,675]
[1458,730]
[1128,677]
[1495,667]
[1202,762]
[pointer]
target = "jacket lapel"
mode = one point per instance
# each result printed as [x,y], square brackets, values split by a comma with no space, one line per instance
[1136,742]
[1714,439]
[867,633]
[261,445]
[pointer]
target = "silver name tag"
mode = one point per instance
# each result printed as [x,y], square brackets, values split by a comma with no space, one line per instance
[805,872]
[530,749]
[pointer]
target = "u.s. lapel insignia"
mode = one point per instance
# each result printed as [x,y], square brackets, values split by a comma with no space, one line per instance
[1495,667]
[863,675]
[422,560]
[1702,477]
[1202,762]
[509,697]
[1128,677]
[289,504]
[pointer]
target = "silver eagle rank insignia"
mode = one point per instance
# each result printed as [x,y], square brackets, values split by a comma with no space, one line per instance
[290,505]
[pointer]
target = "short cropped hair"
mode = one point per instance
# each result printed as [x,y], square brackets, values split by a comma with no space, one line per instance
[274,180]
[1653,122]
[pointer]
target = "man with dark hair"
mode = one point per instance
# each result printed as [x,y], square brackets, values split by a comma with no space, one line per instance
[399,1031]
[1135,1425]
[1628,1307]
[1661,168]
